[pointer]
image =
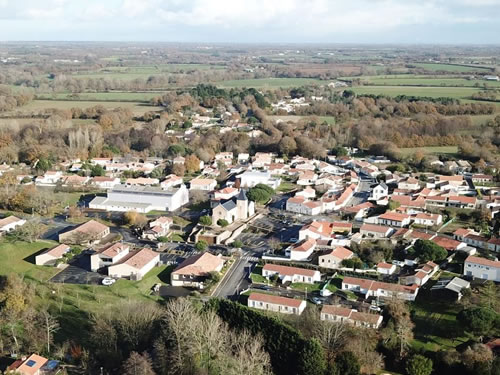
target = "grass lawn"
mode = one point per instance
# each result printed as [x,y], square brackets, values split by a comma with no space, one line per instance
[103,96]
[270,82]
[430,150]
[285,187]
[436,325]
[257,277]
[451,68]
[73,304]
[419,80]
[433,92]
[41,105]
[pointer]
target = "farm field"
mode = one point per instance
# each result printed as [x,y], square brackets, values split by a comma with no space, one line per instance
[433,92]
[426,81]
[117,96]
[270,82]
[451,68]
[437,150]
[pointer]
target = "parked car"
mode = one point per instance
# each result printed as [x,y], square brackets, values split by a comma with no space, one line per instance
[316,300]
[262,287]
[108,281]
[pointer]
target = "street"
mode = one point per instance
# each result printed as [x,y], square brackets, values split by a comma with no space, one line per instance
[237,277]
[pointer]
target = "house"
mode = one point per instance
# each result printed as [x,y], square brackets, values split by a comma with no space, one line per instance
[481,178]
[375,231]
[51,256]
[482,268]
[359,211]
[276,303]
[419,278]
[306,178]
[234,209]
[32,365]
[333,258]
[386,268]
[307,193]
[10,223]
[224,157]
[291,274]
[158,227]
[50,178]
[453,288]
[226,193]
[338,314]
[204,184]
[428,220]
[103,182]
[319,230]
[409,183]
[461,201]
[394,219]
[243,157]
[261,159]
[135,265]
[301,250]
[171,181]
[380,191]
[301,205]
[108,255]
[195,270]
[142,181]
[75,180]
[342,227]
[448,243]
[142,199]
[249,179]
[179,160]
[372,288]
[88,233]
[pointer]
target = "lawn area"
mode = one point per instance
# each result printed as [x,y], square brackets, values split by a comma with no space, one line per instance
[430,150]
[256,276]
[437,81]
[41,105]
[304,286]
[285,187]
[451,68]
[433,92]
[270,82]
[73,304]
[436,325]
[117,96]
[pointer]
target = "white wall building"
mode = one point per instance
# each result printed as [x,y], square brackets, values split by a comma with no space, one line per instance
[482,268]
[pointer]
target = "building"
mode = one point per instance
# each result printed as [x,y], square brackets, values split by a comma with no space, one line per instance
[409,183]
[158,227]
[203,184]
[482,268]
[291,274]
[372,288]
[301,205]
[234,209]
[91,232]
[394,219]
[333,258]
[33,365]
[380,191]
[10,223]
[142,181]
[249,179]
[103,182]
[301,250]
[386,268]
[318,230]
[142,199]
[375,231]
[50,178]
[195,270]
[339,314]
[428,220]
[108,255]
[51,256]
[171,181]
[135,265]
[282,305]
[226,193]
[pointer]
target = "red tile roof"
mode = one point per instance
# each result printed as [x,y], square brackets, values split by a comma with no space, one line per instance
[288,271]
[277,300]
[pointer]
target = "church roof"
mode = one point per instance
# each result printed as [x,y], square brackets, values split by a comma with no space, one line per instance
[242,196]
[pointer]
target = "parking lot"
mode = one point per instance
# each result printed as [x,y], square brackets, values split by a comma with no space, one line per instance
[76,275]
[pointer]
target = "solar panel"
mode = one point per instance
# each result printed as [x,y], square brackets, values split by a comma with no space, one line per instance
[31,363]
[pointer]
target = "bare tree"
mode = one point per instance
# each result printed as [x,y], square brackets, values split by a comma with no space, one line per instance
[332,337]
[51,326]
[138,364]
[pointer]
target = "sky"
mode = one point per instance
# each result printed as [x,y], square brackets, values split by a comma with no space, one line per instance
[253,21]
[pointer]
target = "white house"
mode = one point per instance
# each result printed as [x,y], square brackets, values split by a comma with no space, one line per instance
[427,219]
[301,250]
[276,303]
[195,270]
[171,181]
[50,257]
[249,179]
[372,288]
[49,178]
[386,268]
[204,184]
[380,191]
[103,182]
[338,314]
[10,223]
[291,274]
[334,258]
[482,268]
[394,219]
[135,265]
[157,228]
[375,231]
[319,230]
[108,255]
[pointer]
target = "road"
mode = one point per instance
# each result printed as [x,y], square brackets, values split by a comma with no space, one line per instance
[362,194]
[237,277]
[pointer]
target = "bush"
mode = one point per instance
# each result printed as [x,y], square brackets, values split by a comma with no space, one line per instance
[427,250]
[419,365]
[206,221]
[260,193]
[237,244]
[201,245]
[222,222]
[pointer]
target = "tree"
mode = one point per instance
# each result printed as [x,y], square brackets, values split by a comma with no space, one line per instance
[97,170]
[313,359]
[134,218]
[201,245]
[419,365]
[222,223]
[50,326]
[30,231]
[192,163]
[287,145]
[260,193]
[339,151]
[237,244]
[427,250]
[138,364]
[332,337]
[206,221]
[478,320]
[346,363]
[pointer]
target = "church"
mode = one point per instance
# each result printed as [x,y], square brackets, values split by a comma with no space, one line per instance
[234,209]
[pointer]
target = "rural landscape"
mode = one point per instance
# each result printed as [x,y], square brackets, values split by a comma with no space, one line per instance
[249,208]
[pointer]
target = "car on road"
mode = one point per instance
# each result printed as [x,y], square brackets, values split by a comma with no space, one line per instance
[294,239]
[375,308]
[108,281]
[316,300]
[262,287]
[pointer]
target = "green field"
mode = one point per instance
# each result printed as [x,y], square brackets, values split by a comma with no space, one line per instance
[40,105]
[430,150]
[117,96]
[73,303]
[451,68]
[270,82]
[433,92]
[416,80]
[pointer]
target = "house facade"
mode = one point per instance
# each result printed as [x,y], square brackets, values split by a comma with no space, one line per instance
[279,304]
[482,268]
[338,314]
[291,274]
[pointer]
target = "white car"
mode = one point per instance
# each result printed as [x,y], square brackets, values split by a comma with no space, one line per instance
[108,281]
